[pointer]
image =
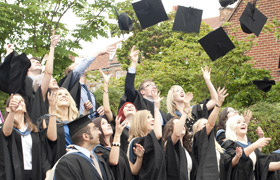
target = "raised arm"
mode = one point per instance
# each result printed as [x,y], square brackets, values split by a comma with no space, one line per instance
[9,49]
[130,76]
[106,101]
[52,131]
[260,143]
[115,150]
[179,126]
[236,158]
[213,93]
[214,114]
[9,121]
[49,65]
[157,124]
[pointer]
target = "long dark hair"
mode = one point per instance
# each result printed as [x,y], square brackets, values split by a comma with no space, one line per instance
[168,130]
[97,122]
[223,119]
[27,119]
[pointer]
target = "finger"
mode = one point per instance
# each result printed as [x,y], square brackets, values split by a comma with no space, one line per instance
[202,69]
[101,72]
[133,47]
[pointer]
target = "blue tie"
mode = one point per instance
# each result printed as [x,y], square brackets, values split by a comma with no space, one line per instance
[89,98]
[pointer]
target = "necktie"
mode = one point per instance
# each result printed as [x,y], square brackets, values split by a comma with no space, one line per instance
[88,95]
[96,165]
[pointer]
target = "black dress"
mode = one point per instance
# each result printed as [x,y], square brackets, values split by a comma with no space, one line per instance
[122,170]
[153,164]
[176,162]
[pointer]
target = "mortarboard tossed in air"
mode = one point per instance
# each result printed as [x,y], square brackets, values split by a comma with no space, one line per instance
[124,21]
[149,12]
[79,123]
[265,84]
[225,3]
[216,43]
[252,20]
[187,19]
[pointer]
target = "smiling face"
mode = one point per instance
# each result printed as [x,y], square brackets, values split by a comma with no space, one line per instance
[35,65]
[129,109]
[150,123]
[241,127]
[178,94]
[63,98]
[106,128]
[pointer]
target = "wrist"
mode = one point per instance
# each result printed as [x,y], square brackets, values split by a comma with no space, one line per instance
[116,144]
[218,106]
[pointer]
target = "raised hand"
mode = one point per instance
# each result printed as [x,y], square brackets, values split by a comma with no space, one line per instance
[9,49]
[138,150]
[104,51]
[88,106]
[156,98]
[14,103]
[262,142]
[52,102]
[247,116]
[238,151]
[134,54]
[100,111]
[106,78]
[187,100]
[222,94]
[54,39]
[206,73]
[260,132]
[120,126]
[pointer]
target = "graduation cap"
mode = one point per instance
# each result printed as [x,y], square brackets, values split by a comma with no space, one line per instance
[125,23]
[149,12]
[79,123]
[225,3]
[216,43]
[252,20]
[265,84]
[187,19]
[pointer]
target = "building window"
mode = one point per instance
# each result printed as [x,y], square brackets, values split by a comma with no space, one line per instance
[118,74]
[112,55]
[119,45]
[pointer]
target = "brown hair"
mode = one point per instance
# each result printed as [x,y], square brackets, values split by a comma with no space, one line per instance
[77,138]
[223,119]
[168,130]
[97,122]
[27,119]
[141,86]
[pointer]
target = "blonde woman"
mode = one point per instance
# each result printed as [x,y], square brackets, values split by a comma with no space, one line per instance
[147,131]
[175,102]
[208,153]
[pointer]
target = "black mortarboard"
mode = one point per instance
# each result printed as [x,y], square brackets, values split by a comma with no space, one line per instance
[149,12]
[77,124]
[225,3]
[187,19]
[125,23]
[265,84]
[216,43]
[252,20]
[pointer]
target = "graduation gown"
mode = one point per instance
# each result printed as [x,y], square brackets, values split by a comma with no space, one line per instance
[153,164]
[176,162]
[244,169]
[74,166]
[122,170]
[13,158]
[205,154]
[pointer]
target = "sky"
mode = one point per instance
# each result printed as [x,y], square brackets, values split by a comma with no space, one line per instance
[210,9]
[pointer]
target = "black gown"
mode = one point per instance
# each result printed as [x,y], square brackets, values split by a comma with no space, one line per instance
[122,170]
[244,169]
[76,167]
[13,156]
[176,162]
[153,164]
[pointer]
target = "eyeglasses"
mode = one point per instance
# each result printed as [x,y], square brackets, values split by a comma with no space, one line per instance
[151,84]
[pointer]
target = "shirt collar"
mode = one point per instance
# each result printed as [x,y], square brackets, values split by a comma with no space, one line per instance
[83,150]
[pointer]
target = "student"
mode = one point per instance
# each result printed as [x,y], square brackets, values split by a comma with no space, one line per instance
[81,162]
[147,131]
[175,103]
[27,149]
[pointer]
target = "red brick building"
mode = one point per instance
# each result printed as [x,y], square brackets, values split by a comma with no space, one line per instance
[266,53]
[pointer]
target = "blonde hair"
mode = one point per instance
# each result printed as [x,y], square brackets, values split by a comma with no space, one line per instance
[231,127]
[73,112]
[196,129]
[171,105]
[138,127]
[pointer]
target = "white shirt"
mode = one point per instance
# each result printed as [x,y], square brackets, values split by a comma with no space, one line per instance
[189,160]
[26,142]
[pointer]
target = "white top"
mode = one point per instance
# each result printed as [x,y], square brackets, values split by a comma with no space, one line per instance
[218,159]
[26,142]
[189,160]
[253,157]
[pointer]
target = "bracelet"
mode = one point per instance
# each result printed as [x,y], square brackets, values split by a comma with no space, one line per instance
[116,144]
[218,106]
[105,91]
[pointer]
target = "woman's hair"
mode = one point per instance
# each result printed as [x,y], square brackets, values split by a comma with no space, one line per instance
[121,113]
[168,130]
[196,129]
[171,105]
[138,127]
[231,127]
[223,119]
[97,122]
[73,112]
[27,119]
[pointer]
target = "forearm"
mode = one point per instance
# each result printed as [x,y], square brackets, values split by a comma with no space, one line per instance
[248,150]
[213,94]
[129,86]
[179,126]
[212,119]
[106,103]
[157,124]
[235,160]
[136,167]
[8,124]
[274,166]
[52,131]
[115,152]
